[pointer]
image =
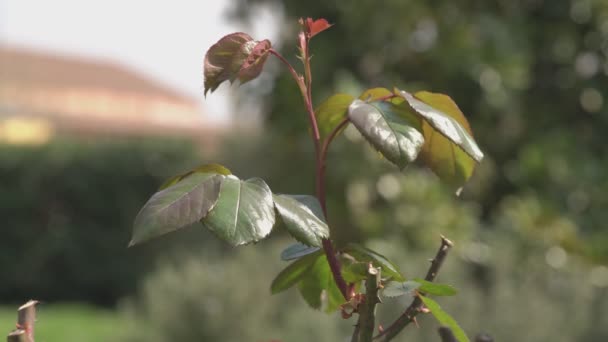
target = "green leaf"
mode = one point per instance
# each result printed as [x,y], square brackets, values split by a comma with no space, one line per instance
[396,289]
[393,131]
[244,212]
[445,319]
[449,149]
[296,251]
[363,254]
[207,168]
[177,206]
[331,112]
[234,56]
[435,289]
[318,288]
[293,273]
[303,218]
[354,272]
[374,94]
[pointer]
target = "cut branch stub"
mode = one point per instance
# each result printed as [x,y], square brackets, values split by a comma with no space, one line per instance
[234,56]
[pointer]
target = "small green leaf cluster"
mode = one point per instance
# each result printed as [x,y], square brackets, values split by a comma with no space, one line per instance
[312,275]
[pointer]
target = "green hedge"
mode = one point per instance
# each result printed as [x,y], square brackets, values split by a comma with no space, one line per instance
[67,210]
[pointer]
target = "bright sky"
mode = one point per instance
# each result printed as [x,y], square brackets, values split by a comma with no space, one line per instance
[165,40]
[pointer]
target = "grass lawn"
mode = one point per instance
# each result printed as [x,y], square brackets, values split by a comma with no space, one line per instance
[68,323]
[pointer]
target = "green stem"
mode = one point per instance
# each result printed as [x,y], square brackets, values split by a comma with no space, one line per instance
[367,314]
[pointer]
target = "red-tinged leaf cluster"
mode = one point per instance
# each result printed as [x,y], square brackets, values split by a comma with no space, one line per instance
[314,27]
[254,63]
[235,56]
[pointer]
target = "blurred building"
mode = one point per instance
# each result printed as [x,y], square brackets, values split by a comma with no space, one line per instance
[43,96]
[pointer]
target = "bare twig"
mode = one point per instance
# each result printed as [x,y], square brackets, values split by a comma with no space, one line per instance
[446,335]
[415,307]
[26,317]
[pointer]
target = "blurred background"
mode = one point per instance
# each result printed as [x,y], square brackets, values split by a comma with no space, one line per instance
[101,101]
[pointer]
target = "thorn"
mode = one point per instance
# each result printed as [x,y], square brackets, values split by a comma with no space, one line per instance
[380,328]
[415,322]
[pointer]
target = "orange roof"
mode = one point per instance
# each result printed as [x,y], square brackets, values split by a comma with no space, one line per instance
[35,69]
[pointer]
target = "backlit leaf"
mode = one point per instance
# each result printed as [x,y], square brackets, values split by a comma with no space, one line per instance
[331,112]
[318,288]
[374,94]
[355,271]
[177,206]
[207,168]
[296,251]
[363,254]
[396,289]
[244,212]
[436,289]
[314,27]
[449,149]
[293,273]
[303,218]
[393,131]
[445,319]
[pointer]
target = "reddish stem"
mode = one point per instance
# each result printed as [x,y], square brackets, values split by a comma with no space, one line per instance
[320,154]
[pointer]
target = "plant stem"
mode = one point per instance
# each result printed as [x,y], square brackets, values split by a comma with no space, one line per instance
[26,317]
[416,305]
[305,89]
[367,316]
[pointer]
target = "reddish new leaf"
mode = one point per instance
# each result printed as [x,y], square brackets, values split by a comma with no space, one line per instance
[252,67]
[314,27]
[234,56]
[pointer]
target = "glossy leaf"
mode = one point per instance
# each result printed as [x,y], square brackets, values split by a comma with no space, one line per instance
[234,56]
[331,112]
[177,206]
[318,288]
[396,289]
[450,150]
[296,251]
[363,254]
[303,218]
[394,132]
[244,212]
[293,273]
[445,319]
[374,94]
[207,168]
[435,289]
